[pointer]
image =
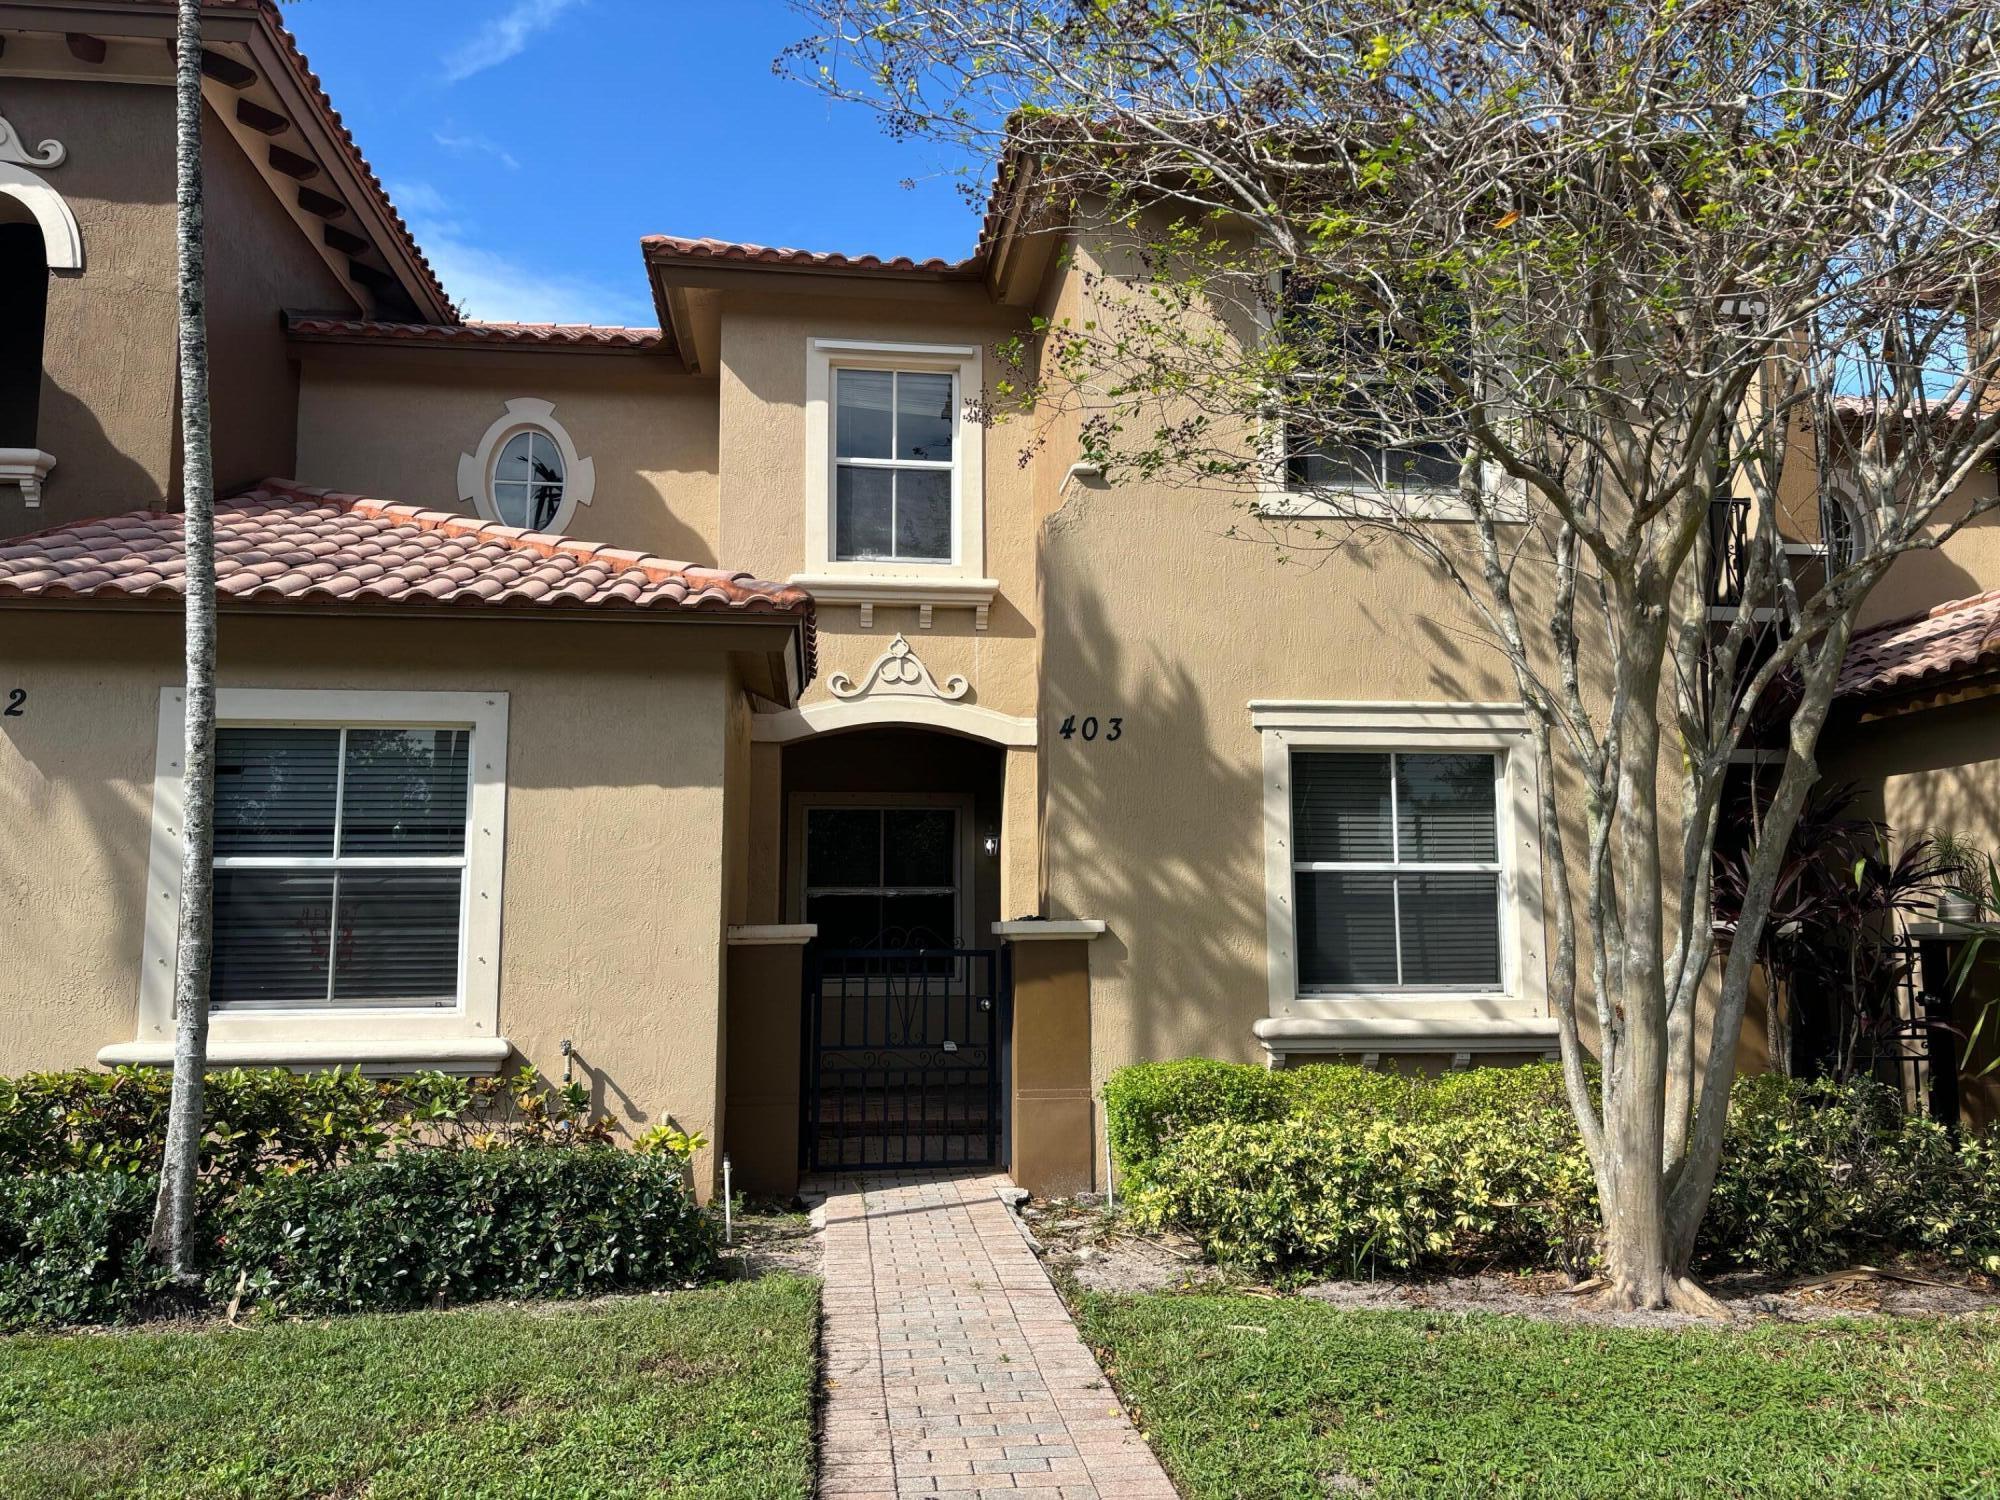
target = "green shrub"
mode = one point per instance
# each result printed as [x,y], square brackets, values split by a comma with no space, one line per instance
[73,1249]
[1148,1104]
[421,1227]
[263,1120]
[1343,1171]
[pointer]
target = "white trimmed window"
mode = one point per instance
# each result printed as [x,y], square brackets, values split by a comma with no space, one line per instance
[358,858]
[1403,860]
[895,476]
[526,470]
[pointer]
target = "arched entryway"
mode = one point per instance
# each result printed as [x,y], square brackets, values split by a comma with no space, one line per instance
[892,851]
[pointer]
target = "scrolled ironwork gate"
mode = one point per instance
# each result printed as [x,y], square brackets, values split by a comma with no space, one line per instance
[902,1057]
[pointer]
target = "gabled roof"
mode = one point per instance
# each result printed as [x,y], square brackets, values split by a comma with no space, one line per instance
[286,544]
[1943,645]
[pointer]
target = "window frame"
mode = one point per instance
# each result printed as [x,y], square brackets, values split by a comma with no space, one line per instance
[805,803]
[965,364]
[1395,866]
[327,1032]
[1286,727]
[1281,497]
[478,470]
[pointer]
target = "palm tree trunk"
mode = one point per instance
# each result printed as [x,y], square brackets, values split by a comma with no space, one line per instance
[172,1239]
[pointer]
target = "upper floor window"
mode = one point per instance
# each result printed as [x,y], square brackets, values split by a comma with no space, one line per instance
[895,446]
[526,470]
[24,293]
[895,453]
[528,480]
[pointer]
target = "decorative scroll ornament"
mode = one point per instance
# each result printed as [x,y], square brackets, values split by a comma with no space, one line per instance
[898,674]
[48,154]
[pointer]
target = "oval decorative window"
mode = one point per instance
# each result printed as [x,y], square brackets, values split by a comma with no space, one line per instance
[526,471]
[528,480]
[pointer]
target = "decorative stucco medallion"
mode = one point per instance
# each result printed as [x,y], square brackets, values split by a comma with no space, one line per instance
[898,673]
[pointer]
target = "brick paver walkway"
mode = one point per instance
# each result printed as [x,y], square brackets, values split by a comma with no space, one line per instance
[952,1367]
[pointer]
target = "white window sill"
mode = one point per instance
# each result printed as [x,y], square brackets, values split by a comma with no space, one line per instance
[451,1055]
[1291,1036]
[926,592]
[28,468]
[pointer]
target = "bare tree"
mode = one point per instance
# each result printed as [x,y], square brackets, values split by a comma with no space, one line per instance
[1609,284]
[173,1216]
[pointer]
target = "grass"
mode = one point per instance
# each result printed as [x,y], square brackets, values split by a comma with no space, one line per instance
[1245,1397]
[705,1393]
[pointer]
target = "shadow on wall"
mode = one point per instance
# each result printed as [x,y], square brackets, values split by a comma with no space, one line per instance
[92,477]
[1154,832]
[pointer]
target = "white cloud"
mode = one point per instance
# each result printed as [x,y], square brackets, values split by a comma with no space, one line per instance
[505,36]
[468,141]
[496,287]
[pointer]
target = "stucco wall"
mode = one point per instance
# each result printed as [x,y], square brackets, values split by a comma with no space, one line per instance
[258,264]
[109,351]
[1966,563]
[613,897]
[393,423]
[763,448]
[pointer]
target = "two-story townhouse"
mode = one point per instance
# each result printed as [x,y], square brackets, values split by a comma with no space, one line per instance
[728,714]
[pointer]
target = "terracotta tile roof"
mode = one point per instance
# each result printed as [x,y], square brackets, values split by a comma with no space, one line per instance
[1923,650]
[284,543]
[519,335]
[673,246]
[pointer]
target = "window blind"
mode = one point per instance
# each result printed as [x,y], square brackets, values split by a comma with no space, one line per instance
[340,860]
[1396,870]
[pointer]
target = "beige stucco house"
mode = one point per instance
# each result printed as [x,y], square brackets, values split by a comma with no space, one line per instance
[724,714]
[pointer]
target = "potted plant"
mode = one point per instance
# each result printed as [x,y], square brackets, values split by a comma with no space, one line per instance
[1967,895]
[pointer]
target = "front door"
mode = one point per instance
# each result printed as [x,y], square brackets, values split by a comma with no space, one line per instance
[902,1066]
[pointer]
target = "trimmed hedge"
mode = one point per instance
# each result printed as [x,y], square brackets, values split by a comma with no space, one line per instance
[426,1227]
[1339,1170]
[73,1249]
[257,1121]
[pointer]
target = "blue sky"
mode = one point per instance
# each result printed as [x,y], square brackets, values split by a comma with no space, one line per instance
[530,143]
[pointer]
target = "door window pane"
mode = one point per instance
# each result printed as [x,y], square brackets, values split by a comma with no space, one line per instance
[846,921]
[919,846]
[919,921]
[843,846]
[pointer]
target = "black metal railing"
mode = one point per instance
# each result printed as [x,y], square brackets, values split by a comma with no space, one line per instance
[1728,551]
[902,1053]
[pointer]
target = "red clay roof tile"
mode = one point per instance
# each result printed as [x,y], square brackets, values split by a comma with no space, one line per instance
[1921,650]
[668,246]
[289,543]
[318,328]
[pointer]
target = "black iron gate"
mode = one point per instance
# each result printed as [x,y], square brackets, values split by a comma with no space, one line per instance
[902,1057]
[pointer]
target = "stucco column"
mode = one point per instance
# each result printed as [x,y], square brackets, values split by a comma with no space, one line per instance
[1054,1135]
[760,1103]
[1020,834]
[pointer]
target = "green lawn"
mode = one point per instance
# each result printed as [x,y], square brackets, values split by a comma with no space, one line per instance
[1244,1397]
[699,1393]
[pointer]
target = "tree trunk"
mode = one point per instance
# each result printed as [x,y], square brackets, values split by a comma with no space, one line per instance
[172,1238]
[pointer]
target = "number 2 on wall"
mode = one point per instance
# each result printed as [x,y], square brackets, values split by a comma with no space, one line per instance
[16,698]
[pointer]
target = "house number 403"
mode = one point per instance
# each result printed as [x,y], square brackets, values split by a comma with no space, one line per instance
[1091,728]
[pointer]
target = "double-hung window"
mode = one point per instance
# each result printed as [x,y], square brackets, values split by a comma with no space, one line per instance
[1396,871]
[340,866]
[895,444]
[884,877]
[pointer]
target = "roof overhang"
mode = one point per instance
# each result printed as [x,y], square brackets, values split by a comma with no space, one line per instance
[258,84]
